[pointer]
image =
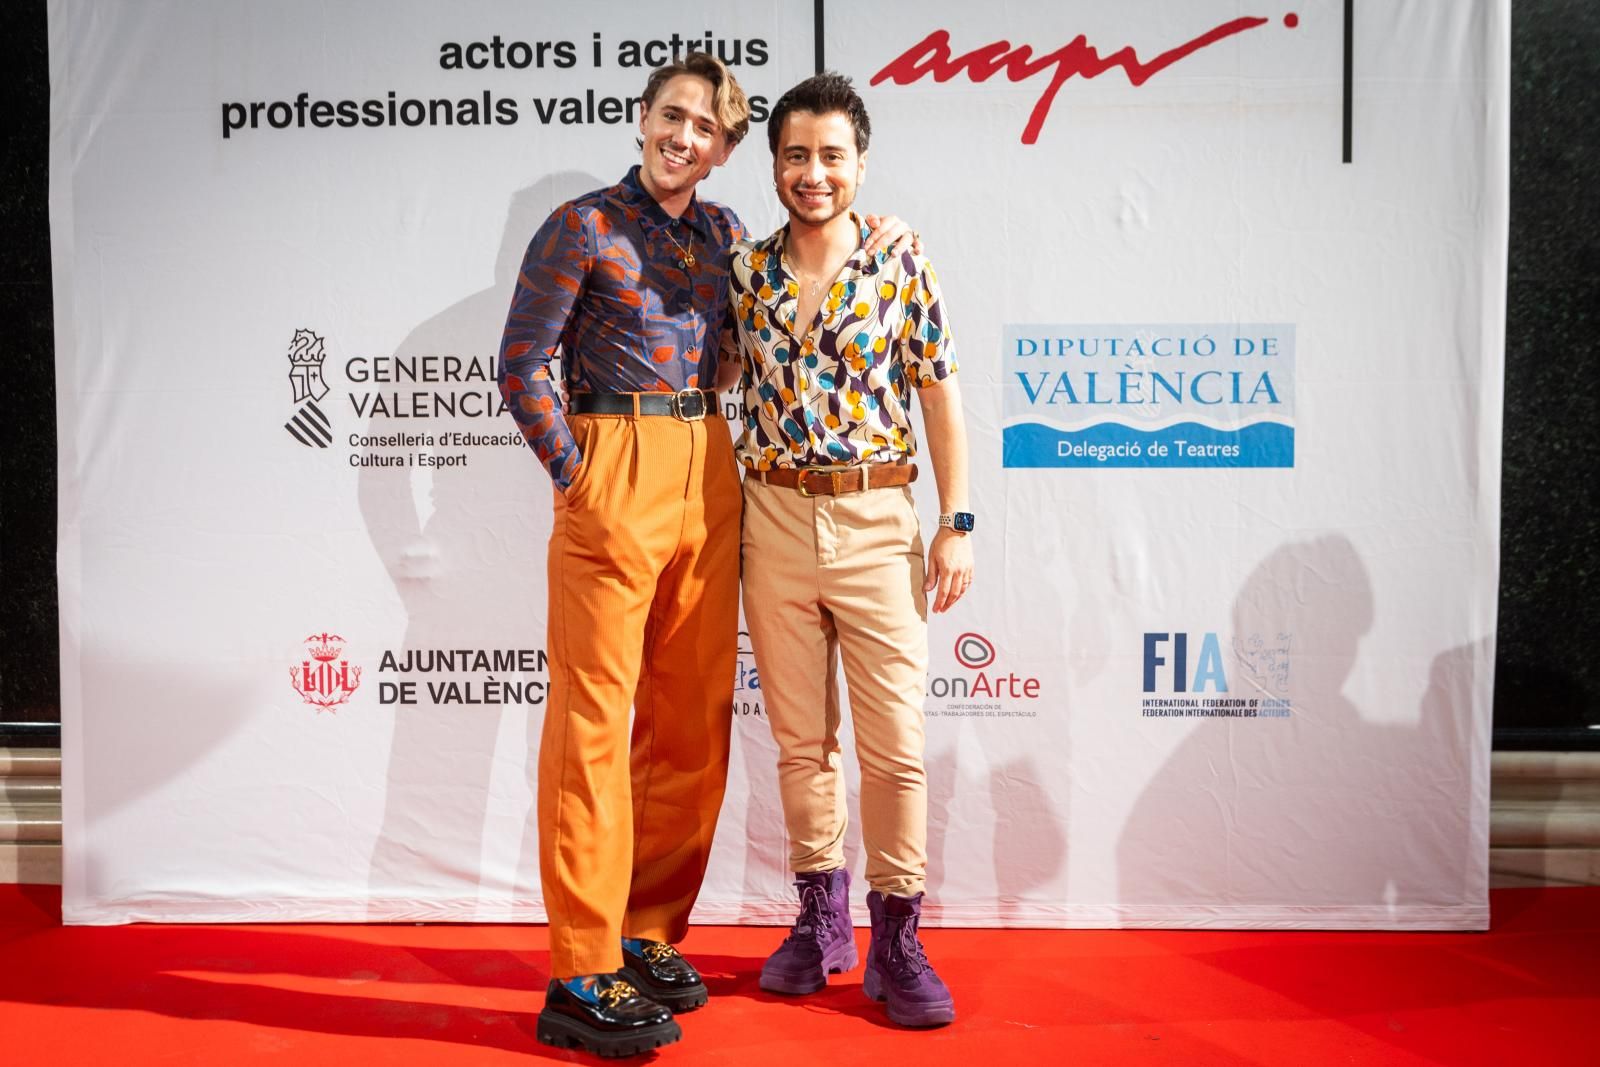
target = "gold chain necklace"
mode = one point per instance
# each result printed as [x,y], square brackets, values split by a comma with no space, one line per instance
[815,284]
[686,258]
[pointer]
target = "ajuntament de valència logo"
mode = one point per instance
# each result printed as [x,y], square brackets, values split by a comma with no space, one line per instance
[1148,395]
[324,679]
[309,425]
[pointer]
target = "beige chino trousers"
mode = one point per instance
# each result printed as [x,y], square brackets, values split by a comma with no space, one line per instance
[829,578]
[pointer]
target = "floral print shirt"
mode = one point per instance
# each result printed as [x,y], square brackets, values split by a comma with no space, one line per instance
[836,391]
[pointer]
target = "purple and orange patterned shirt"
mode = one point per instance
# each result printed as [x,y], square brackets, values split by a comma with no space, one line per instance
[835,391]
[633,299]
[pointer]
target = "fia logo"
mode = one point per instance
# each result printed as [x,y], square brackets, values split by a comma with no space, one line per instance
[1209,672]
[320,683]
[309,425]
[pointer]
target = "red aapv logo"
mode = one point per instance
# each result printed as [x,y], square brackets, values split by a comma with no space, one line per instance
[932,56]
[320,683]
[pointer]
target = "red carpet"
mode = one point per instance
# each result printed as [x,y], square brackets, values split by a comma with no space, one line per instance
[1528,992]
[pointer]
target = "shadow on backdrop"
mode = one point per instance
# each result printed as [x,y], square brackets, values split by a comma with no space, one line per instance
[466,552]
[1325,808]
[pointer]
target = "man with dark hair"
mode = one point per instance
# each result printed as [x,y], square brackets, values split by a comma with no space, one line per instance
[629,284]
[833,340]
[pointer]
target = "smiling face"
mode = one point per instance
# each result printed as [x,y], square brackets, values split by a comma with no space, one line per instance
[682,141]
[817,168]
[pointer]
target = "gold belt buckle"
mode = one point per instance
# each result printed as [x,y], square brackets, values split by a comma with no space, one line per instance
[835,482]
[677,405]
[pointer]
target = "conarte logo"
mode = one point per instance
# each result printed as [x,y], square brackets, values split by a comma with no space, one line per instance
[976,653]
[931,56]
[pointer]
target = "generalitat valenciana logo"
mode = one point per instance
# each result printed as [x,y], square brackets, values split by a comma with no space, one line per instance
[309,425]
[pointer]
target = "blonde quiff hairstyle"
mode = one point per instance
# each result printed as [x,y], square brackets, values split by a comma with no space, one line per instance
[727,98]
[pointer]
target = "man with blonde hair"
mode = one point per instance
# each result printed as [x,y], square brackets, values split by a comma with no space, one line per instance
[629,285]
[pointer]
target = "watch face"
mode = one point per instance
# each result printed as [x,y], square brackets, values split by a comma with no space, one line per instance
[962,520]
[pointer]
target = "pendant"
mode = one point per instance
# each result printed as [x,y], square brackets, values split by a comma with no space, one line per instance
[687,262]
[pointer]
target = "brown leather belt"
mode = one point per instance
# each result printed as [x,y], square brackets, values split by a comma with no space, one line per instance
[811,481]
[691,405]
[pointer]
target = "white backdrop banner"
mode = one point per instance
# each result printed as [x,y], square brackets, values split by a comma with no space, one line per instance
[1230,317]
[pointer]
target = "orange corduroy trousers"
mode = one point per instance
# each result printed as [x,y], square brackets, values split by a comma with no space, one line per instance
[644,600]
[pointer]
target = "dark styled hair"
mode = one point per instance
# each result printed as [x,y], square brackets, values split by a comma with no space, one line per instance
[727,98]
[821,94]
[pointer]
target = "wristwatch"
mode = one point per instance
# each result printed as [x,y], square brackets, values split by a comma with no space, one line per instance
[959,521]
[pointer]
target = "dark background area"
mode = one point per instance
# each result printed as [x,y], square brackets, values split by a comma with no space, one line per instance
[1547,678]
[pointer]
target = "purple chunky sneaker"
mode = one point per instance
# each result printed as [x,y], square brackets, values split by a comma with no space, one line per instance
[820,943]
[898,970]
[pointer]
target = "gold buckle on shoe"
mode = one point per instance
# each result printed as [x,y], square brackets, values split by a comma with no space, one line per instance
[616,993]
[657,951]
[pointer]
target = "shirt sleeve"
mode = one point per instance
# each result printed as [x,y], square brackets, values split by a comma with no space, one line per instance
[930,353]
[728,351]
[554,272]
[728,343]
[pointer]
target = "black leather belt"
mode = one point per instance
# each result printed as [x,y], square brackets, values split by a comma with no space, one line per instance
[691,405]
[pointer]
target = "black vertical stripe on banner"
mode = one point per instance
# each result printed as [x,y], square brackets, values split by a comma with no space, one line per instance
[817,20]
[1349,66]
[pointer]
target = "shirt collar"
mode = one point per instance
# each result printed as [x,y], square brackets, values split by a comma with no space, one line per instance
[631,191]
[782,303]
[859,262]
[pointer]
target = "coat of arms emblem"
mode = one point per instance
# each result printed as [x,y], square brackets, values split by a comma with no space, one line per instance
[309,426]
[317,679]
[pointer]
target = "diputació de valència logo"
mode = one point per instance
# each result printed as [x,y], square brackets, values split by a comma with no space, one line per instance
[309,424]
[1149,395]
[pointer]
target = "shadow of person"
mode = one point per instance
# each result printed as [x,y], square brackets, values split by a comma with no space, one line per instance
[464,548]
[453,985]
[763,850]
[988,772]
[1030,837]
[1028,843]
[1320,818]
